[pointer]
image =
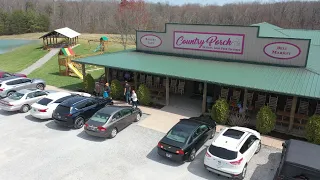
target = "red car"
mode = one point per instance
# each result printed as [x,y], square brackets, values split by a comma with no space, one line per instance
[4,74]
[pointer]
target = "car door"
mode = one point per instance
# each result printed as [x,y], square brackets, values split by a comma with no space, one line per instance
[198,138]
[252,145]
[117,122]
[127,116]
[245,150]
[30,98]
[26,83]
[89,108]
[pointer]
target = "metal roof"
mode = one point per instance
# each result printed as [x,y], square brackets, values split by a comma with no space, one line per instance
[67,32]
[303,154]
[269,30]
[314,35]
[283,80]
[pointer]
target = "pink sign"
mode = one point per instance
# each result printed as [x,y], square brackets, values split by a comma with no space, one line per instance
[151,41]
[205,41]
[282,50]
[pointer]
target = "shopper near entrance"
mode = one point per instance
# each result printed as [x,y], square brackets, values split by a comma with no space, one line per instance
[107,91]
[134,98]
[127,92]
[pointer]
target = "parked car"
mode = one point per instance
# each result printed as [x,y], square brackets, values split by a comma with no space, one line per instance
[22,100]
[186,137]
[44,108]
[11,84]
[108,121]
[74,112]
[231,151]
[299,160]
[4,74]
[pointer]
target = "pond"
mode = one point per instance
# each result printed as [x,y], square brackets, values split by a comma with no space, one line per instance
[7,45]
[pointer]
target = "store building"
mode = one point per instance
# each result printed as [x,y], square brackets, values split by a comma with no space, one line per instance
[253,66]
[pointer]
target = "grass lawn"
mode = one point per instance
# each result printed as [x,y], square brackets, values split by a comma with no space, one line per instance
[50,71]
[21,57]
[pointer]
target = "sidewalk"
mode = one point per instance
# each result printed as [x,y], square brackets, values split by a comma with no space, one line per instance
[162,121]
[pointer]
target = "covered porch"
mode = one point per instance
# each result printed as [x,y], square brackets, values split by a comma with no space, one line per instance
[292,93]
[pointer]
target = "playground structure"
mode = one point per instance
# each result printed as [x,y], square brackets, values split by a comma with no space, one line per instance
[103,46]
[66,66]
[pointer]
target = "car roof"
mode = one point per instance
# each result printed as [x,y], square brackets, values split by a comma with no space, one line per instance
[112,109]
[74,100]
[25,91]
[303,153]
[58,95]
[231,138]
[9,78]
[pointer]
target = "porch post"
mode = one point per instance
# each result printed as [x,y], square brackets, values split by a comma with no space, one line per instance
[83,68]
[204,98]
[106,74]
[292,112]
[135,78]
[167,90]
[245,99]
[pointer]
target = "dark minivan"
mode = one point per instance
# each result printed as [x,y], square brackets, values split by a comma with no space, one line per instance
[300,160]
[75,111]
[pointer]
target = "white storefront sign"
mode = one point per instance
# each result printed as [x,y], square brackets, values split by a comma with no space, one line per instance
[151,41]
[207,41]
[282,50]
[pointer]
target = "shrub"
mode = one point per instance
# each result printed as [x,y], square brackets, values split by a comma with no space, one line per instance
[220,111]
[313,129]
[88,84]
[143,94]
[116,89]
[266,120]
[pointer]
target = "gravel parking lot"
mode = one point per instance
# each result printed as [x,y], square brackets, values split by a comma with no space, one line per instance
[33,149]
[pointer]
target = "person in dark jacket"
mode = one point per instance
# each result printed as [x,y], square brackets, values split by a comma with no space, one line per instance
[127,92]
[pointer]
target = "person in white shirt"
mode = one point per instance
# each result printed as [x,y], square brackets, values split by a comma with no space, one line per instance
[134,99]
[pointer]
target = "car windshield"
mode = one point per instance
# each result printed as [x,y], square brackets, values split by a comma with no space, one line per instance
[63,109]
[100,117]
[44,101]
[223,153]
[180,133]
[16,96]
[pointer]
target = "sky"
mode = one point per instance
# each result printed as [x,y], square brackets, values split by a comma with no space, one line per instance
[205,2]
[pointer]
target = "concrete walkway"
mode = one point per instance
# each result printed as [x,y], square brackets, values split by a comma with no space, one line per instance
[163,119]
[40,62]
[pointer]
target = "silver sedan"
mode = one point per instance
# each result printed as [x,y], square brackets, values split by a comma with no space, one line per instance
[22,100]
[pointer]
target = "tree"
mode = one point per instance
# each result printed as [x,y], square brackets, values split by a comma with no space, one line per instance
[313,129]
[131,15]
[266,120]
[220,111]
[88,84]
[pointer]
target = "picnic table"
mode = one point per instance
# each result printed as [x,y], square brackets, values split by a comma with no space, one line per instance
[299,117]
[157,93]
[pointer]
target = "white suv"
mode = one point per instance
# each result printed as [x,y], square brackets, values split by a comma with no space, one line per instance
[231,151]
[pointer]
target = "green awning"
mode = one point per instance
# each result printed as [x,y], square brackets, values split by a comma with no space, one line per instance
[283,80]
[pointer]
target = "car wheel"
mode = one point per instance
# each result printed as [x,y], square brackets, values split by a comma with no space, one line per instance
[40,86]
[79,122]
[192,155]
[138,117]
[114,132]
[213,133]
[259,148]
[9,93]
[244,171]
[25,108]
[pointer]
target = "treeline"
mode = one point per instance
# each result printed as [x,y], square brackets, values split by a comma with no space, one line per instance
[19,22]
[99,16]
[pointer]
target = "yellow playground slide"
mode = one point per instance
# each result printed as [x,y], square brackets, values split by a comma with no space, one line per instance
[75,70]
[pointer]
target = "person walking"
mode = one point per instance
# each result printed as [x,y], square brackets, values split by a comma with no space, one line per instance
[127,92]
[134,99]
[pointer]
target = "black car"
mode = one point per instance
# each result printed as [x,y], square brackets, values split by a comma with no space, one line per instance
[185,138]
[299,161]
[108,121]
[75,111]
